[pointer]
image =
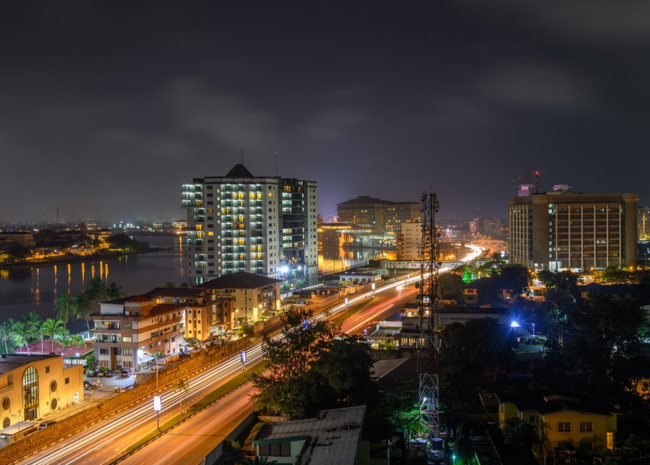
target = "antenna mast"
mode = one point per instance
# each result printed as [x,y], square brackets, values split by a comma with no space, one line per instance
[429,342]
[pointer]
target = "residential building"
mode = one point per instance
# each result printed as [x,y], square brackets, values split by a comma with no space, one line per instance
[128,332]
[331,438]
[409,240]
[21,238]
[32,386]
[643,223]
[206,314]
[572,425]
[564,230]
[255,296]
[383,216]
[240,222]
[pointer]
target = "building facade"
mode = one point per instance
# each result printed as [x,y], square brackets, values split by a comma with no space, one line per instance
[643,223]
[564,230]
[128,332]
[240,222]
[254,296]
[383,216]
[206,314]
[409,239]
[32,386]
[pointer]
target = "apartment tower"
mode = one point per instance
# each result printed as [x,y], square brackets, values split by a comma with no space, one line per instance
[261,225]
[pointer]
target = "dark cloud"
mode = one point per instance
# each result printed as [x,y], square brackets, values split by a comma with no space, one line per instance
[108,108]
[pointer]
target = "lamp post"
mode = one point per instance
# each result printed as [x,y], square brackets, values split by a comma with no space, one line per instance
[157,401]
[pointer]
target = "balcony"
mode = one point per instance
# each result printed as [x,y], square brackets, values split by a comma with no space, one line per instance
[107,326]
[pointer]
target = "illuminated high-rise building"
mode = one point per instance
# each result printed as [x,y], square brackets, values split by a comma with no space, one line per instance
[561,229]
[643,223]
[262,225]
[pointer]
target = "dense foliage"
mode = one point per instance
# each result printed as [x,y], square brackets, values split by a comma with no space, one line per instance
[313,367]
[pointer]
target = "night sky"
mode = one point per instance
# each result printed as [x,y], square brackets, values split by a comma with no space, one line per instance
[106,108]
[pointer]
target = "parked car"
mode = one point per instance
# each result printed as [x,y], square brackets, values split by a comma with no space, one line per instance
[101,374]
[110,373]
[124,374]
[45,424]
[91,373]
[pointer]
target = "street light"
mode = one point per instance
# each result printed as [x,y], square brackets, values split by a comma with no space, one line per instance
[157,400]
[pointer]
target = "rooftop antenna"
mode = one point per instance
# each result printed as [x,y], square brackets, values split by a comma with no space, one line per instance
[537,182]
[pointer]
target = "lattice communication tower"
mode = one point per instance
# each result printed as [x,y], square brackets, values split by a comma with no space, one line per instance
[428,297]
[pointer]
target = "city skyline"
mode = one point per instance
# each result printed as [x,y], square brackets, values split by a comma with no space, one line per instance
[108,109]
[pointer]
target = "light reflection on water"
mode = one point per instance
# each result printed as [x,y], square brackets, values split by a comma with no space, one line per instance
[35,289]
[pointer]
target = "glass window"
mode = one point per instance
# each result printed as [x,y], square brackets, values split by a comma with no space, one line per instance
[30,394]
[564,427]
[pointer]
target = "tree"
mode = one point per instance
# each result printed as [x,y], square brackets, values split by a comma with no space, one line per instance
[65,304]
[50,328]
[282,389]
[6,334]
[20,334]
[245,330]
[75,340]
[182,386]
[605,340]
[17,252]
[32,323]
[452,285]
[96,290]
[522,439]
[635,450]
[113,291]
[517,275]
[82,307]
[170,285]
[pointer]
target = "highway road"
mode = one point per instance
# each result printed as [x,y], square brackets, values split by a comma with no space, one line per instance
[99,443]
[189,443]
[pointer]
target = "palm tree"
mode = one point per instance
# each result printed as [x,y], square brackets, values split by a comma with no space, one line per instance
[40,329]
[32,323]
[96,290]
[65,305]
[114,292]
[51,328]
[76,340]
[19,332]
[83,308]
[6,333]
[63,337]
[182,386]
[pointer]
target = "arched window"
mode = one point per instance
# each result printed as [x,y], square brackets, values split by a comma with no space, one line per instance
[30,394]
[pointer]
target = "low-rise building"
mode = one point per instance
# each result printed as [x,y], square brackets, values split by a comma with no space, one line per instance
[33,386]
[206,314]
[333,437]
[255,296]
[571,425]
[128,332]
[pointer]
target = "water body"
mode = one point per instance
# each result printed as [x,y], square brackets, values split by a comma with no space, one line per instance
[35,289]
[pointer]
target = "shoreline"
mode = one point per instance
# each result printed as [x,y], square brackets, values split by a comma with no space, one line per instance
[76,259]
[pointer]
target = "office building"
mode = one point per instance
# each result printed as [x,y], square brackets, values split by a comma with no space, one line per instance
[243,223]
[383,216]
[565,230]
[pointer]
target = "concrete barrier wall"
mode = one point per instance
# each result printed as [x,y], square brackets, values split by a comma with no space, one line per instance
[217,452]
[199,361]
